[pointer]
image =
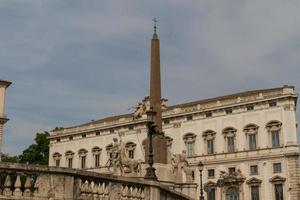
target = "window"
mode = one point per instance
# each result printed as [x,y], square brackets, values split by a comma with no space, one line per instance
[275,139]
[228,111]
[190,149]
[97,133]
[274,130]
[272,103]
[190,117]
[211,194]
[57,162]
[131,127]
[230,144]
[231,170]
[254,192]
[252,141]
[277,167]
[111,131]
[69,156]
[58,140]
[278,191]
[83,162]
[250,107]
[253,170]
[209,137]
[97,160]
[229,134]
[189,140]
[70,162]
[82,156]
[208,114]
[83,135]
[211,173]
[96,153]
[71,138]
[210,146]
[251,132]
[56,158]
[130,148]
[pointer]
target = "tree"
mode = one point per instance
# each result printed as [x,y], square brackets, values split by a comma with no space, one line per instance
[8,158]
[37,153]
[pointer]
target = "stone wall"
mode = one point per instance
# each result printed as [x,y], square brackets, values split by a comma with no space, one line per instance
[18,181]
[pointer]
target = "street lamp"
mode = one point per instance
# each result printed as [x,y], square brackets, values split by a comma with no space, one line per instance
[200,167]
[150,171]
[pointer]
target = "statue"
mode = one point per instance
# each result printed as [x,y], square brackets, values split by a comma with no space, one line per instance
[141,108]
[180,165]
[121,160]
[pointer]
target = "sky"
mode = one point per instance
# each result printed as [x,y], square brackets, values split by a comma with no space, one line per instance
[72,61]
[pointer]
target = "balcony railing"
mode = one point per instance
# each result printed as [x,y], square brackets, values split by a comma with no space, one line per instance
[19,181]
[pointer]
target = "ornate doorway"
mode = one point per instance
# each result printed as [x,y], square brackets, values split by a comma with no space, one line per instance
[232,194]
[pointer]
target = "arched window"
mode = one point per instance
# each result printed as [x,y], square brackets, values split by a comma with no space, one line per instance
[274,130]
[251,131]
[69,156]
[130,148]
[232,193]
[96,154]
[82,156]
[56,158]
[229,135]
[189,140]
[209,141]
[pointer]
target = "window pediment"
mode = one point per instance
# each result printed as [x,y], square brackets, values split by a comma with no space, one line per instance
[130,146]
[251,129]
[210,184]
[56,156]
[229,132]
[96,150]
[277,179]
[82,152]
[209,134]
[254,181]
[189,138]
[69,154]
[273,125]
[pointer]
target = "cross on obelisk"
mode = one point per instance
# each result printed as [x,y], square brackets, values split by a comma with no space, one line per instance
[159,140]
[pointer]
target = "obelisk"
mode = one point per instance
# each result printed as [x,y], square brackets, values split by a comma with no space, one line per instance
[159,140]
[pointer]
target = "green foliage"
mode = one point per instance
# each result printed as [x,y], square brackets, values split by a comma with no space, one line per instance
[37,153]
[11,159]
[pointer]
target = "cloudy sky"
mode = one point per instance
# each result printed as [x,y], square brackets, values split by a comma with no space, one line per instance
[72,61]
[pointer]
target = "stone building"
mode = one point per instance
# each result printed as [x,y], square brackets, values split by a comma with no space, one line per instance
[250,138]
[3,118]
[247,142]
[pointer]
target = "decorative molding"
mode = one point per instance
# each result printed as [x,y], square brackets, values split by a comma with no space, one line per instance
[254,181]
[277,179]
[177,125]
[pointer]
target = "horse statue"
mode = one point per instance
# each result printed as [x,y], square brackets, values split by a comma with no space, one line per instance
[128,165]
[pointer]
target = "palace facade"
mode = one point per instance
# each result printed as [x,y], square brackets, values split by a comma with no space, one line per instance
[247,142]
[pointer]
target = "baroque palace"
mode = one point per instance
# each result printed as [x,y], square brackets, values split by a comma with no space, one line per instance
[246,141]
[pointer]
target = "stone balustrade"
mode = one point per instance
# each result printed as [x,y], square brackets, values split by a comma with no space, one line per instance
[19,181]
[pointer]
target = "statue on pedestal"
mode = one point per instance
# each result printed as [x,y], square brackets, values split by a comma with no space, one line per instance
[180,166]
[120,159]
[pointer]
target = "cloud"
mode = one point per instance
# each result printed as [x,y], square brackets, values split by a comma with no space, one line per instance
[73,61]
